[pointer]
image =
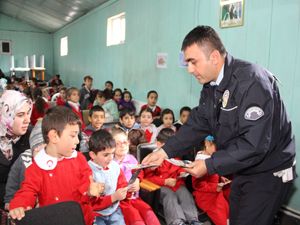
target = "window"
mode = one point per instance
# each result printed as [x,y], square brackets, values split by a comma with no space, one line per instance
[64,46]
[5,47]
[116,30]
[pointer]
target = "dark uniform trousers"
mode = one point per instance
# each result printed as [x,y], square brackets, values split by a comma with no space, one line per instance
[254,199]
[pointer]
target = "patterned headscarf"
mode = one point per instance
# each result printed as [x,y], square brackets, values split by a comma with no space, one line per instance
[10,103]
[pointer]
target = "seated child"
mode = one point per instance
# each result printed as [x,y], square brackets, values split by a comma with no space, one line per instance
[58,172]
[184,115]
[61,99]
[17,171]
[104,99]
[135,138]
[117,96]
[178,203]
[211,191]
[96,119]
[40,106]
[73,103]
[135,210]
[126,102]
[167,119]
[105,170]
[127,120]
[147,126]
[152,97]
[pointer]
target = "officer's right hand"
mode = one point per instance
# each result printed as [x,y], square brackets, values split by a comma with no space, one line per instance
[156,157]
[197,168]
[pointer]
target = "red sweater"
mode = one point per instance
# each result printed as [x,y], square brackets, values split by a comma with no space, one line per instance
[68,181]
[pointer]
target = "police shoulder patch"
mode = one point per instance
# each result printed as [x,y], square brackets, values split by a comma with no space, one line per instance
[253,113]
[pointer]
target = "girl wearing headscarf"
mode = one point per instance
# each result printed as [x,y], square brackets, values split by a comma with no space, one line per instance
[15,112]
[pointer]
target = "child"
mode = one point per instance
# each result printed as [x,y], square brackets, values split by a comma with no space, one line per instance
[152,97]
[147,126]
[15,111]
[105,170]
[104,99]
[85,93]
[135,210]
[109,85]
[178,203]
[126,102]
[96,119]
[127,120]
[17,171]
[117,96]
[184,115]
[73,103]
[209,194]
[167,118]
[135,138]
[61,99]
[58,173]
[40,106]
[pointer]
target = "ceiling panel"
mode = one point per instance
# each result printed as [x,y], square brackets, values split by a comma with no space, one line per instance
[49,15]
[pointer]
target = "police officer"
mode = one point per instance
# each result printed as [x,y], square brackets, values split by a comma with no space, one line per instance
[241,107]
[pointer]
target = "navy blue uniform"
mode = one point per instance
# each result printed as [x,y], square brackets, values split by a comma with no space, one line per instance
[253,135]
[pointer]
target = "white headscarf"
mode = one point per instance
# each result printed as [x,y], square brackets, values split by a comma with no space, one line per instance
[10,103]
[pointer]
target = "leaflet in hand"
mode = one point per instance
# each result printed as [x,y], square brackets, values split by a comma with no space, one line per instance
[141,166]
[181,163]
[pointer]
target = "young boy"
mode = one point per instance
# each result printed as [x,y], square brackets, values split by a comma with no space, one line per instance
[58,172]
[105,170]
[85,93]
[178,203]
[184,115]
[127,120]
[96,119]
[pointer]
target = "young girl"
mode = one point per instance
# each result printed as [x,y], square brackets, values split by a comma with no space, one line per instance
[211,191]
[40,106]
[61,99]
[73,103]
[15,111]
[167,118]
[117,96]
[126,102]
[147,126]
[152,97]
[134,209]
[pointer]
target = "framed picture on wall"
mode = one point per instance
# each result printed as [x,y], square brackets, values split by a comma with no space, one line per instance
[231,13]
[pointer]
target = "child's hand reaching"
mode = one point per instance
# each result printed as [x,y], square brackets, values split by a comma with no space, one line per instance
[18,213]
[135,186]
[95,189]
[119,195]
[171,182]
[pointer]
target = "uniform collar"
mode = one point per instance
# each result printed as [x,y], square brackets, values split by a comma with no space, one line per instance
[219,79]
[227,73]
[48,162]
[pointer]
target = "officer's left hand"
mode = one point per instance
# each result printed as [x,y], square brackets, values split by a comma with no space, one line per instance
[197,168]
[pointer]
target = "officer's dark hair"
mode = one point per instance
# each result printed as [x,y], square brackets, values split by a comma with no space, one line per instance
[101,140]
[56,119]
[164,135]
[96,108]
[204,36]
[126,111]
[167,111]
[150,92]
[185,108]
